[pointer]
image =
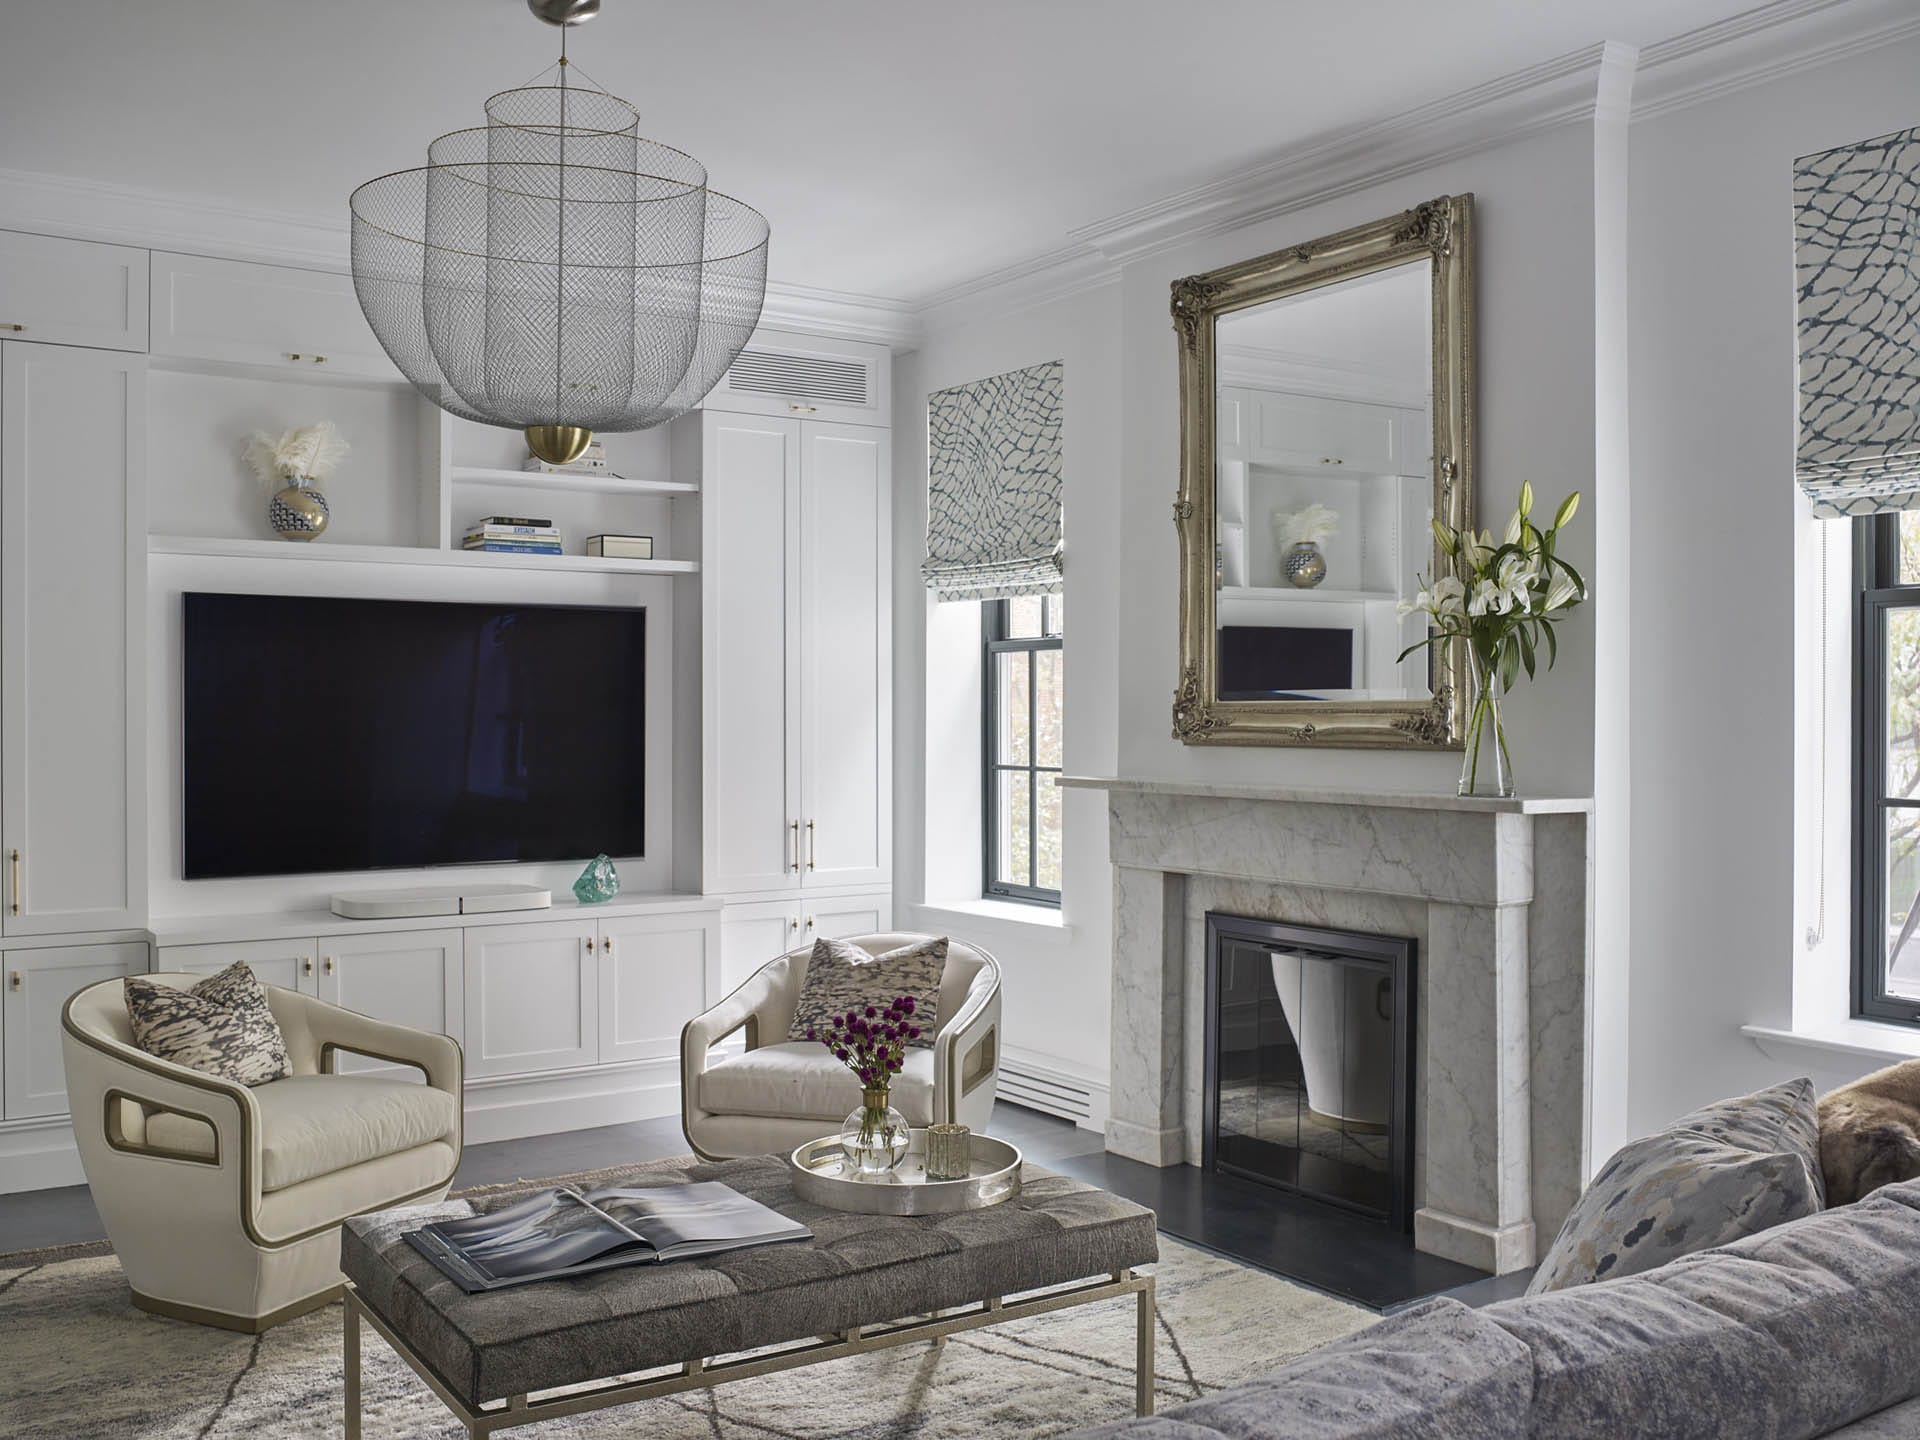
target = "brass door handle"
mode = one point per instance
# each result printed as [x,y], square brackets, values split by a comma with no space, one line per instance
[794,826]
[13,981]
[306,964]
[606,944]
[809,845]
[327,964]
[793,922]
[809,922]
[16,329]
[16,881]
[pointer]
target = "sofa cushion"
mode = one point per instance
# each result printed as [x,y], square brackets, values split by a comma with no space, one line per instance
[801,1081]
[843,976]
[1432,1372]
[1717,1175]
[1790,1333]
[316,1124]
[222,1026]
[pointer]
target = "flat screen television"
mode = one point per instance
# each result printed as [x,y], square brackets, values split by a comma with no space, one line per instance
[330,734]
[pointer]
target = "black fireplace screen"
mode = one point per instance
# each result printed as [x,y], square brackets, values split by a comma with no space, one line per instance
[1309,1062]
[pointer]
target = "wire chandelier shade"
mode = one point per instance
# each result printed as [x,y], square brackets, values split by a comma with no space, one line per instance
[553,271]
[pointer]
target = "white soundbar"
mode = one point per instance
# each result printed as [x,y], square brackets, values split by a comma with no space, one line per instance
[468,900]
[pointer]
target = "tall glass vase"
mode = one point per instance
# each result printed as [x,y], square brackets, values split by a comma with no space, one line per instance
[1486,760]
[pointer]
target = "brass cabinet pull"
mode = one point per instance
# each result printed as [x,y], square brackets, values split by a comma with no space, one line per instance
[809,922]
[16,882]
[306,964]
[794,826]
[327,964]
[793,922]
[809,845]
[16,329]
[606,944]
[314,359]
[14,981]
[797,408]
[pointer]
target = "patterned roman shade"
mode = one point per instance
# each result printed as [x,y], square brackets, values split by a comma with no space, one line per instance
[1856,225]
[993,486]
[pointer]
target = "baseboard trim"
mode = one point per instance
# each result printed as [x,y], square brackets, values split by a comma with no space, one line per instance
[511,1108]
[41,1156]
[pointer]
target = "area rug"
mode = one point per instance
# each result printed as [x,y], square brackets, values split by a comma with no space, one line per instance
[86,1363]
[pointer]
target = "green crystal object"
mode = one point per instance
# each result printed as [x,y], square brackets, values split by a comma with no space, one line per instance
[599,881]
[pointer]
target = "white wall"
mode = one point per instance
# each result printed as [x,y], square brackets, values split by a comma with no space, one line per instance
[1056,977]
[1719,541]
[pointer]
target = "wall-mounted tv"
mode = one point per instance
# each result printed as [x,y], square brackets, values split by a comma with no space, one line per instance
[326,734]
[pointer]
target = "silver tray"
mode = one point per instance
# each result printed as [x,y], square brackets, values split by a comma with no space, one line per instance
[823,1175]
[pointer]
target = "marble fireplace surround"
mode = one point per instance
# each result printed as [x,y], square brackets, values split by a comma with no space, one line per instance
[1497,895]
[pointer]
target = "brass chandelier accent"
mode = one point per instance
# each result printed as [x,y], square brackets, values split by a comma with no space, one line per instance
[554,272]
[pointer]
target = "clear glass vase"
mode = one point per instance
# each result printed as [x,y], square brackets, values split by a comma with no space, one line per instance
[1486,759]
[875,1137]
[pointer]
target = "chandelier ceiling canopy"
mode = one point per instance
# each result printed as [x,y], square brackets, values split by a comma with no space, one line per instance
[554,272]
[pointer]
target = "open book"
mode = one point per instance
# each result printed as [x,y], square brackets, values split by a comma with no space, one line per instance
[568,1232]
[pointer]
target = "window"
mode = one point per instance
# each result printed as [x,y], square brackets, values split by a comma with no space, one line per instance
[1021,682]
[1886,765]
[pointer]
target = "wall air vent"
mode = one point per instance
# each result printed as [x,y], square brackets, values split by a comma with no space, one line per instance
[819,378]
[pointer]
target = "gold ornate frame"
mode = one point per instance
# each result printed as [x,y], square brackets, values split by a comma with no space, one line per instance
[1441,230]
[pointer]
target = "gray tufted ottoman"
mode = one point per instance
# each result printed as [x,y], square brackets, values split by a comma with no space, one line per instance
[490,1356]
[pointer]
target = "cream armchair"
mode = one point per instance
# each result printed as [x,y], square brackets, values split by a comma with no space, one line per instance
[224,1202]
[779,1094]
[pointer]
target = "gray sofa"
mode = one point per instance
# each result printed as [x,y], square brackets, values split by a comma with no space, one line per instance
[1811,1328]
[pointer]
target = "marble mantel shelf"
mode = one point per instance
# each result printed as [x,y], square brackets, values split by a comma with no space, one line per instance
[1377,799]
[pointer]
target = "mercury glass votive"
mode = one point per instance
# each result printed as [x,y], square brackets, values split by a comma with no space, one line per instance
[949,1152]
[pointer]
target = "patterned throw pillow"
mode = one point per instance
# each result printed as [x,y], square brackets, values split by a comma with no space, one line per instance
[1722,1173]
[842,977]
[223,1026]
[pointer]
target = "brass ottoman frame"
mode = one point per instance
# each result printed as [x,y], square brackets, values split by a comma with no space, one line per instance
[697,1374]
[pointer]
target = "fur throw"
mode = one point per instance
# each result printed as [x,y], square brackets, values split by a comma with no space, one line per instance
[1870,1133]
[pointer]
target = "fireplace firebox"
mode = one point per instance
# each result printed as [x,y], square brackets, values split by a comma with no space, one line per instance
[1309,1063]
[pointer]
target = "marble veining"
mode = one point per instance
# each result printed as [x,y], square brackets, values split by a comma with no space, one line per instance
[1496,897]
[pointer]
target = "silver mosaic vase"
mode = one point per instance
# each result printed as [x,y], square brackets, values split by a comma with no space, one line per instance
[1304,565]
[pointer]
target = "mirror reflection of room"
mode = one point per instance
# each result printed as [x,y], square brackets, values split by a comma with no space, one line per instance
[1324,475]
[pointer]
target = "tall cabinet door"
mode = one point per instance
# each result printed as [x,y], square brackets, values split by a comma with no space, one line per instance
[750,594]
[409,977]
[38,985]
[73,548]
[846,648]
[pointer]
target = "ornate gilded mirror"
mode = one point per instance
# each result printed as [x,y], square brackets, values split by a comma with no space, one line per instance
[1326,417]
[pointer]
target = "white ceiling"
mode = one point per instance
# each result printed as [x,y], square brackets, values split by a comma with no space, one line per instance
[898,146]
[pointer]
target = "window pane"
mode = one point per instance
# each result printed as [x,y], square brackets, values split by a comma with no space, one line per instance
[1910,547]
[1047,707]
[1023,617]
[1047,841]
[1015,840]
[1056,615]
[1903,881]
[1903,704]
[1014,668]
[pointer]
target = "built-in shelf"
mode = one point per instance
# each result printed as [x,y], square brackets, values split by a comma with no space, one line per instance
[1285,593]
[322,550]
[545,480]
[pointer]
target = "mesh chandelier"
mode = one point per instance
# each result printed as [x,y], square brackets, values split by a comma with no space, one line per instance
[552,271]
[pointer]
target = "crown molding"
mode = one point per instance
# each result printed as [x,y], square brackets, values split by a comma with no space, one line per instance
[155,220]
[1056,275]
[1762,45]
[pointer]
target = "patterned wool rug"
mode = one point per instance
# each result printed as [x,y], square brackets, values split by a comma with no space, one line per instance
[84,1362]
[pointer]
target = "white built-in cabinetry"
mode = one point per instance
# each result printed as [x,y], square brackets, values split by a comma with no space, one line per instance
[128,378]
[796,641]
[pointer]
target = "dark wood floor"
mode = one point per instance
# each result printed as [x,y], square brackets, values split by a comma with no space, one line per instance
[1300,1239]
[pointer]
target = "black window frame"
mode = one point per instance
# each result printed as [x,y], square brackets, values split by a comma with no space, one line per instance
[995,642]
[1877,590]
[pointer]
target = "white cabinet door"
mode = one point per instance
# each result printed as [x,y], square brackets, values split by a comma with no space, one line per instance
[656,973]
[751,935]
[750,595]
[840,917]
[72,292]
[286,963]
[267,315]
[846,647]
[1307,431]
[73,698]
[532,998]
[409,977]
[38,985]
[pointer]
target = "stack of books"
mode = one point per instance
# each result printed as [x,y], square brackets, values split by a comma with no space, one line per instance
[591,461]
[513,535]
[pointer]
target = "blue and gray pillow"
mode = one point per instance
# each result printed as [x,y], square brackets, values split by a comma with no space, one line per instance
[1722,1173]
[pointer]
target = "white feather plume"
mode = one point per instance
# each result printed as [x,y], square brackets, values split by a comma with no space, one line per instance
[309,453]
[1314,525]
